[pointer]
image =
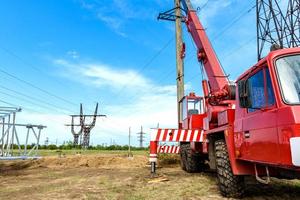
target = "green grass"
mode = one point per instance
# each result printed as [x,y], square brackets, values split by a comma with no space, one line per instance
[87,152]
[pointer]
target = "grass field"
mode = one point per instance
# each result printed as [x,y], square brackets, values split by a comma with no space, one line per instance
[111,175]
[86,152]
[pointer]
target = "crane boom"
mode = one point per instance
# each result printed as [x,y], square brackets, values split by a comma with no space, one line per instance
[206,54]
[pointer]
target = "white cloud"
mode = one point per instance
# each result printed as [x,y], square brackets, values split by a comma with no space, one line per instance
[114,23]
[146,103]
[117,14]
[73,54]
[101,75]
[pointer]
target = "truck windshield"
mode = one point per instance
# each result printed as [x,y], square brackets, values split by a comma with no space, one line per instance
[288,69]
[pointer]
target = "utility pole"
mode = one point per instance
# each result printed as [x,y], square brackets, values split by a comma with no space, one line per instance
[179,59]
[141,137]
[176,16]
[129,137]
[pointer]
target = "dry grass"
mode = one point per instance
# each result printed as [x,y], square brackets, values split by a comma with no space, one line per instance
[114,176]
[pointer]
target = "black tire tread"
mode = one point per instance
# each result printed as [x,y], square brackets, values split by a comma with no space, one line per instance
[183,157]
[192,162]
[229,184]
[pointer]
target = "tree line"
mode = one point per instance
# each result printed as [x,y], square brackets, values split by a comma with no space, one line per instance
[69,146]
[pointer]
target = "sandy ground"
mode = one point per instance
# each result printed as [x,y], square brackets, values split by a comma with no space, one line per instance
[114,176]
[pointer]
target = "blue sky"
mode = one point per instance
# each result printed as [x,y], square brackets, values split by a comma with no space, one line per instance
[114,52]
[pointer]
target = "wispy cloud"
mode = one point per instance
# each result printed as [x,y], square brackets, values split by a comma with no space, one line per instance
[116,14]
[73,54]
[145,103]
[101,75]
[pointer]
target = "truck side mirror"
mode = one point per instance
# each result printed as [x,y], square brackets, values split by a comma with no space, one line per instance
[244,94]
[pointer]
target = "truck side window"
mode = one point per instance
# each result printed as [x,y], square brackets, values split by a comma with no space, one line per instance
[261,90]
[257,91]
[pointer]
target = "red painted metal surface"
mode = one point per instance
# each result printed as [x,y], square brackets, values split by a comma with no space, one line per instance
[270,129]
[167,149]
[206,53]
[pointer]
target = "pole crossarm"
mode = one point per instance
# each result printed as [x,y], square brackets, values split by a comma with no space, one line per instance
[170,15]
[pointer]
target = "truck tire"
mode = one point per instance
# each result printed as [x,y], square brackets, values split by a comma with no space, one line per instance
[182,157]
[190,161]
[229,184]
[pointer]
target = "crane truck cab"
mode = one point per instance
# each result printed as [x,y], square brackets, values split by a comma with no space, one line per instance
[193,111]
[267,119]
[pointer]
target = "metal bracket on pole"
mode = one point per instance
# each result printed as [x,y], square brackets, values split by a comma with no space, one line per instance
[170,15]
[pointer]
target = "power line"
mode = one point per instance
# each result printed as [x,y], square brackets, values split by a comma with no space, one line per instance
[34,98]
[10,104]
[203,6]
[146,65]
[22,60]
[25,100]
[32,110]
[36,87]
[222,32]
[237,19]
[239,47]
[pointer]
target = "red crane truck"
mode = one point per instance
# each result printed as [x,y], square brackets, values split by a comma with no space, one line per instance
[250,127]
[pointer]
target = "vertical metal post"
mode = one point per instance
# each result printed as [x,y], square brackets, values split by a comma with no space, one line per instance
[26,142]
[8,133]
[13,132]
[153,167]
[2,142]
[38,139]
[18,142]
[179,60]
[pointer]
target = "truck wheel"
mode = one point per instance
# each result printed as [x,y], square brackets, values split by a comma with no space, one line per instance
[229,184]
[190,161]
[183,157]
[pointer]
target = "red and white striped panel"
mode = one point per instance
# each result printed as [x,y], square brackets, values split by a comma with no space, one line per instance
[177,135]
[168,149]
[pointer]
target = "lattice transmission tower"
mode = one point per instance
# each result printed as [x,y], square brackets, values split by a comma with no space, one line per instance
[85,127]
[278,25]
[141,137]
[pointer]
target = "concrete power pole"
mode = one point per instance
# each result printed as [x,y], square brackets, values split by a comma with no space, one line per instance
[179,60]
[129,138]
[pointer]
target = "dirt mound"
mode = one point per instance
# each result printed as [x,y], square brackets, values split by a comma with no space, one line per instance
[168,160]
[119,161]
[98,161]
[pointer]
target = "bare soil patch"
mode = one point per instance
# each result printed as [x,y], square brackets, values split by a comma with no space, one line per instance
[114,176]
